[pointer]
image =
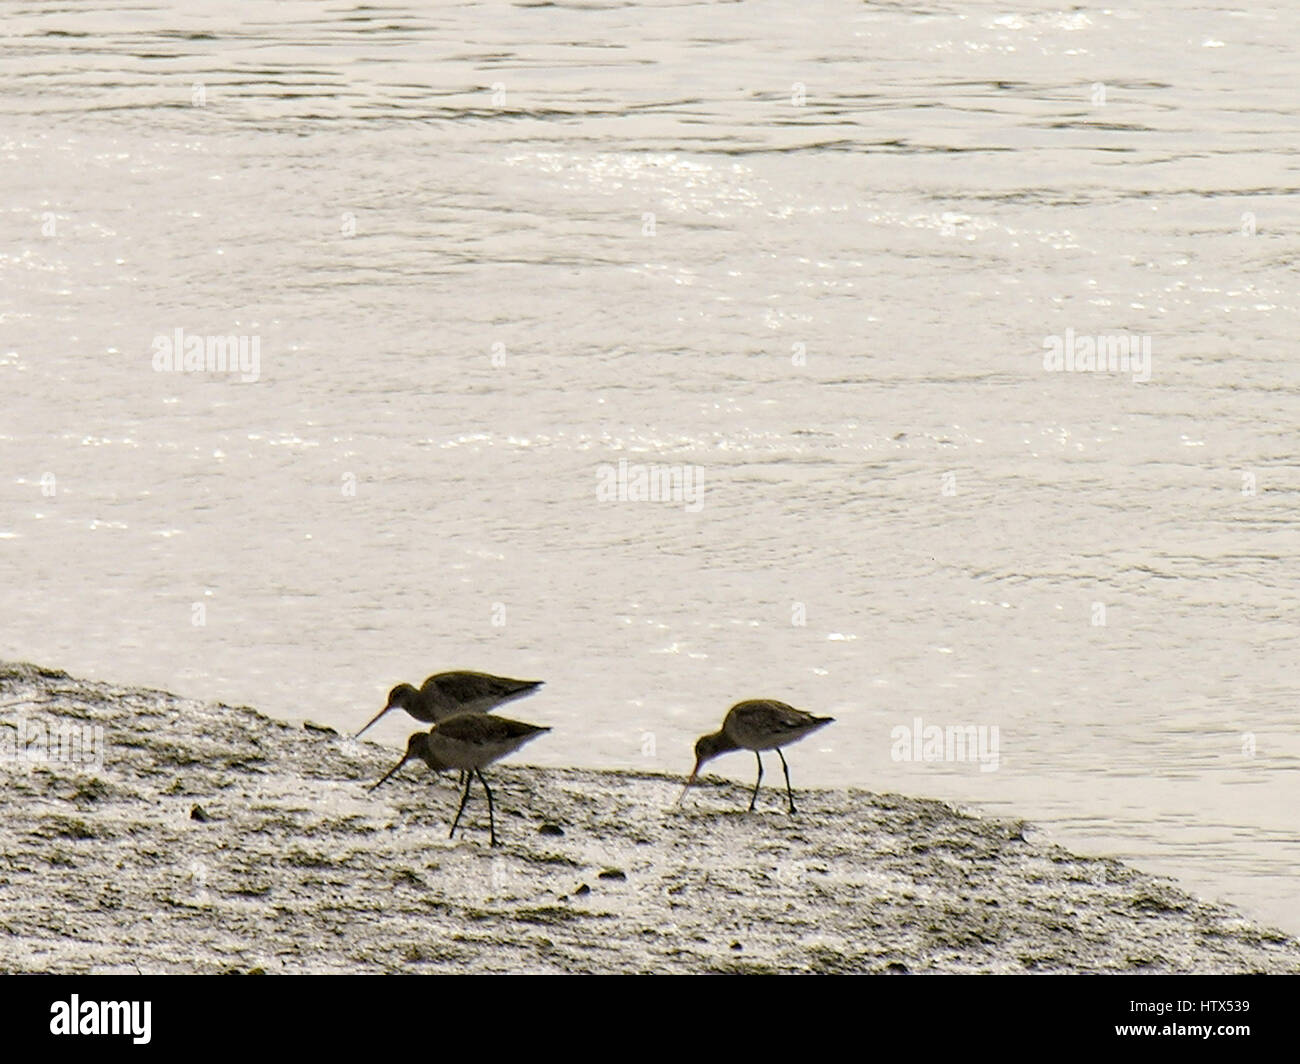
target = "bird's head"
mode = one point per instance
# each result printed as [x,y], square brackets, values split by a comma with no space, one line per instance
[417,746]
[402,696]
[707,747]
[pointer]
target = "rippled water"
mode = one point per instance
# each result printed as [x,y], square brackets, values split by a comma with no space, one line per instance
[809,252]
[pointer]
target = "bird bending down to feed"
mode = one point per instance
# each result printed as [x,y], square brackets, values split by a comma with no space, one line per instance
[759,724]
[448,694]
[469,743]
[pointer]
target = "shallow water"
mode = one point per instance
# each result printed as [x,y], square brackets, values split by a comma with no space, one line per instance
[438,236]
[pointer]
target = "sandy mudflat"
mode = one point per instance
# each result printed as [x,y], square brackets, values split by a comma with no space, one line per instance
[297,869]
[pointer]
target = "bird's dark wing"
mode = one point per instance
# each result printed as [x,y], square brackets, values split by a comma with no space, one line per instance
[769,715]
[479,728]
[463,688]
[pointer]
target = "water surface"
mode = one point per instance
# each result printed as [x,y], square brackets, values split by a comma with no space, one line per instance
[809,252]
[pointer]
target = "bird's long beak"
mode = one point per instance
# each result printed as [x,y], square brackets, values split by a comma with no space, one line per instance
[391,772]
[373,719]
[694,772]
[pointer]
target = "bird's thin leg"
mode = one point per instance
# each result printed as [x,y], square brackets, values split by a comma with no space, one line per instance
[789,792]
[754,797]
[463,799]
[492,824]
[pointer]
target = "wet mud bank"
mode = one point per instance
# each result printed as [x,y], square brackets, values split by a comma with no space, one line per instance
[209,838]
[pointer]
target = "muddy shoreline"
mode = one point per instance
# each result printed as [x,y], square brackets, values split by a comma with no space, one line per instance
[213,839]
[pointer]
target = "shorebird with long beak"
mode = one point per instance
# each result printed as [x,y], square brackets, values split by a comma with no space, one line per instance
[758,724]
[447,694]
[469,742]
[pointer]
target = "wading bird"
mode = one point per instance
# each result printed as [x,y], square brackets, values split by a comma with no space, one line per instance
[448,694]
[759,724]
[469,742]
